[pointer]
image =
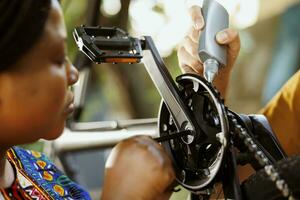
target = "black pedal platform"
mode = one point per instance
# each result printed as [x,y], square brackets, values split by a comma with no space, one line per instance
[108,44]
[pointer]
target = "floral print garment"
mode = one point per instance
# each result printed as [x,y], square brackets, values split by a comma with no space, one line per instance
[38,178]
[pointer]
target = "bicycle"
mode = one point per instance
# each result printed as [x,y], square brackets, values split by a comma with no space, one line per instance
[204,138]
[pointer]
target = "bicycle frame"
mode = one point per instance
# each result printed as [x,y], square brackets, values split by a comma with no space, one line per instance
[113,45]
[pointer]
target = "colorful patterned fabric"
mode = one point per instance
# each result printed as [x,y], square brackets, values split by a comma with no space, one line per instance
[38,178]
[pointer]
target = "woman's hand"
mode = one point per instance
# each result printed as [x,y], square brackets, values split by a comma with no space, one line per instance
[189,60]
[138,168]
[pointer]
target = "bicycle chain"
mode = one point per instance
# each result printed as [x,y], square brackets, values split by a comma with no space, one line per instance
[259,155]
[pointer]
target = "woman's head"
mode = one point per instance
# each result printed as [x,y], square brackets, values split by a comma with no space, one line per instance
[34,95]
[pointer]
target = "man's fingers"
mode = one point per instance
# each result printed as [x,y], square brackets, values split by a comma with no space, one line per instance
[231,38]
[197,18]
[194,34]
[191,46]
[227,36]
[187,61]
[187,69]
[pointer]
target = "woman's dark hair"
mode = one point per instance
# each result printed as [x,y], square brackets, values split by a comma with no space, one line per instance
[21,25]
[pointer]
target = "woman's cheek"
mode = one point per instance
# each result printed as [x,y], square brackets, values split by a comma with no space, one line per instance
[56,94]
[50,103]
[58,103]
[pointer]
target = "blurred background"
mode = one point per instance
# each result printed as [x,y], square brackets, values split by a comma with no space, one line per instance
[270,50]
[269,55]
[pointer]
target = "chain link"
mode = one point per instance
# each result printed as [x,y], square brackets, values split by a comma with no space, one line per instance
[270,170]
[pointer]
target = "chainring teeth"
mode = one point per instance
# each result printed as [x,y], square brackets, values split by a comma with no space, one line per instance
[195,164]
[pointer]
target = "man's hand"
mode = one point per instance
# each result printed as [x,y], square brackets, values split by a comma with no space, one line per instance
[138,168]
[188,51]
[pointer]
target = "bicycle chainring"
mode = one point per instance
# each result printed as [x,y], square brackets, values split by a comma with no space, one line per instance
[197,158]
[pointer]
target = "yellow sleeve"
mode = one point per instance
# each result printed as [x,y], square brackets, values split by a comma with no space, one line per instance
[283,113]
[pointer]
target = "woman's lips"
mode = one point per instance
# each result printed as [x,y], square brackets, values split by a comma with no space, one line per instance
[69,109]
[70,106]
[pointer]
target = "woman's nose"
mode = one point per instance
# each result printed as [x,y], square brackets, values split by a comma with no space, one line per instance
[72,74]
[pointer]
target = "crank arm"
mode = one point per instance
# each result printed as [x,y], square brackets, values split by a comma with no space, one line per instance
[166,86]
[113,45]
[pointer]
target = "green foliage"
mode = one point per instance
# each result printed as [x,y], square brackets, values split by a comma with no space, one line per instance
[158,8]
[74,15]
[36,146]
[106,93]
[181,195]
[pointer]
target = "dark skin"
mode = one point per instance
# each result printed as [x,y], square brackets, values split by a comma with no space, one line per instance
[139,185]
[35,101]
